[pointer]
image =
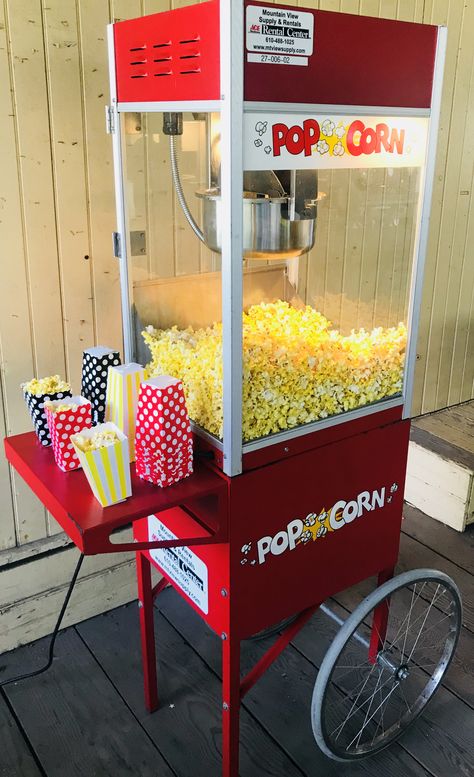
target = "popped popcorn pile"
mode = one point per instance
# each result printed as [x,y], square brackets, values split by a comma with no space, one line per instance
[296,368]
[50,385]
[100,439]
[62,408]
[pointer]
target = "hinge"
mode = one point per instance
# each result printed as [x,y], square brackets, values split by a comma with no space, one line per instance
[117,248]
[109,120]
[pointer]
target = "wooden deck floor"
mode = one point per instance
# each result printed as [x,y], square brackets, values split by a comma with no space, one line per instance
[86,717]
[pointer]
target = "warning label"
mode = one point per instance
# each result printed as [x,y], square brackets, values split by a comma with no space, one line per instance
[186,569]
[279,31]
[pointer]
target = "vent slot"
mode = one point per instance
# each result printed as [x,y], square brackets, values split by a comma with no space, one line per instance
[163,59]
[188,56]
[189,72]
[139,62]
[191,40]
[159,75]
[139,48]
[161,45]
[140,75]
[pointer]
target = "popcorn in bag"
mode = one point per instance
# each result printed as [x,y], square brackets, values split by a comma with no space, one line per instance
[64,419]
[103,453]
[36,393]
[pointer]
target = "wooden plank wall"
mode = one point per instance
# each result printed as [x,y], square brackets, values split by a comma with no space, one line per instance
[60,286]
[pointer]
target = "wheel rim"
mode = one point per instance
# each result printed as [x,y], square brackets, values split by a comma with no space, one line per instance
[367,704]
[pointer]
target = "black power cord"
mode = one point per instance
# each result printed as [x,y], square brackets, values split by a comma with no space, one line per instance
[55,632]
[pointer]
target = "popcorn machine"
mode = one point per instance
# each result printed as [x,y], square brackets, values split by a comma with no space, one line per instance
[273,170]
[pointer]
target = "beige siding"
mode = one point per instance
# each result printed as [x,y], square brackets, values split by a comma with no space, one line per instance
[60,288]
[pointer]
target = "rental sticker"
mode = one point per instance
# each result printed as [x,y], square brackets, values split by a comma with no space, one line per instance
[279,36]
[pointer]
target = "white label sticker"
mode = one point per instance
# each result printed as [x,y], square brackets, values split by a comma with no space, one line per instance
[277,59]
[186,569]
[291,141]
[279,31]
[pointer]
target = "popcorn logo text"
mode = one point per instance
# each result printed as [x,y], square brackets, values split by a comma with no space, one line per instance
[359,139]
[315,525]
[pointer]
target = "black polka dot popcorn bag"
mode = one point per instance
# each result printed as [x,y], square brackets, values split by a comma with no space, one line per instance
[36,393]
[95,369]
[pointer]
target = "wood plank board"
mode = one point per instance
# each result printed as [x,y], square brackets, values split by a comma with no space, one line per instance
[459,548]
[187,727]
[33,617]
[74,716]
[16,353]
[459,432]
[16,758]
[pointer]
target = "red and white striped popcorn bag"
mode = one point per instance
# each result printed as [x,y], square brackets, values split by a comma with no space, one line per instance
[163,437]
[62,424]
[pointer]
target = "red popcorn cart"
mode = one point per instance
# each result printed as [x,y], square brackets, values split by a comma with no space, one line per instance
[284,294]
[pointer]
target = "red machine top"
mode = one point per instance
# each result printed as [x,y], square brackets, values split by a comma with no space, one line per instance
[292,55]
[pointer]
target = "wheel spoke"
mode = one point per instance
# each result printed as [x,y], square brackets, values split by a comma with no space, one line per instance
[424,621]
[375,711]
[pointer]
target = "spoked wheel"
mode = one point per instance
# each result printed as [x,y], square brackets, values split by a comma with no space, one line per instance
[385,664]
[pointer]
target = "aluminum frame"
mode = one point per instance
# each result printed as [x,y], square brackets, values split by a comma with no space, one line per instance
[423,221]
[232,108]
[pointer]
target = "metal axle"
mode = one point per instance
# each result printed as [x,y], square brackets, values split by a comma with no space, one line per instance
[381,658]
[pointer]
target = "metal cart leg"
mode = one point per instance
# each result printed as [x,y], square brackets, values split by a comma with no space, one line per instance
[379,626]
[147,633]
[230,706]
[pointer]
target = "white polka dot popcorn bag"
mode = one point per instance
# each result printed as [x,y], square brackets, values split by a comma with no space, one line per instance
[66,417]
[163,436]
[123,387]
[95,366]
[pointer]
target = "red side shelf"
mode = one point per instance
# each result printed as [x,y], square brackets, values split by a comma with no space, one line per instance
[69,499]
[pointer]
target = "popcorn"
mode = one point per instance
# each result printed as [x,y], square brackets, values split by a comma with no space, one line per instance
[62,408]
[101,439]
[296,368]
[50,385]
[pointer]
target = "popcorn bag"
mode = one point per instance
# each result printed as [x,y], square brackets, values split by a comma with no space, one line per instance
[95,366]
[103,454]
[65,417]
[36,393]
[163,442]
[122,396]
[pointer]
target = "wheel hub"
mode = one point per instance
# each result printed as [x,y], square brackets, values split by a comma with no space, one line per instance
[402,672]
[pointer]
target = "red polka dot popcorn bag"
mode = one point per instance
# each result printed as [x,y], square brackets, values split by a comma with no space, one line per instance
[38,391]
[123,387]
[65,418]
[163,437]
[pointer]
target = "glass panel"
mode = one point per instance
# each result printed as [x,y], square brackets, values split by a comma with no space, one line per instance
[330,334]
[176,279]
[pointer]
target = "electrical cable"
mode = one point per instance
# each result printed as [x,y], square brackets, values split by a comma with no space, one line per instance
[55,632]
[179,190]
